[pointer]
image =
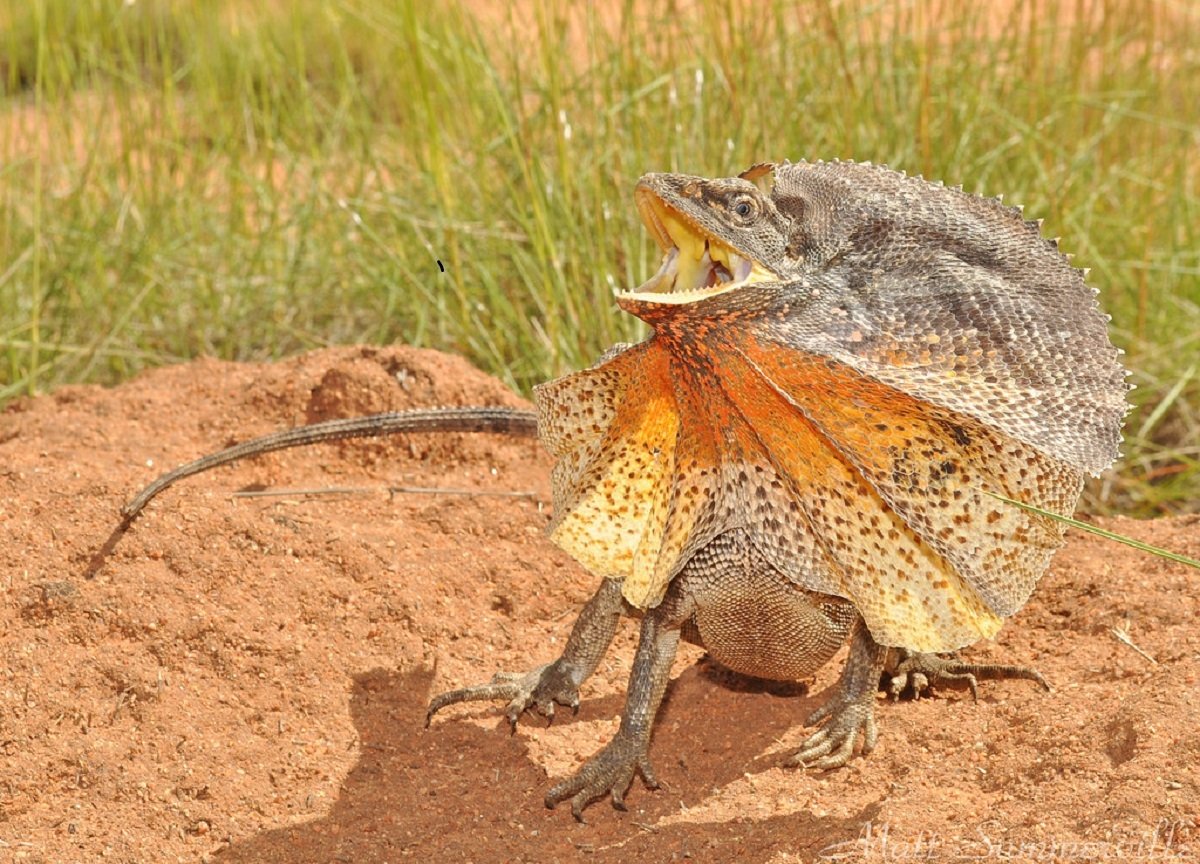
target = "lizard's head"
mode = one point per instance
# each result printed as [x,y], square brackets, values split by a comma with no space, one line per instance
[717,235]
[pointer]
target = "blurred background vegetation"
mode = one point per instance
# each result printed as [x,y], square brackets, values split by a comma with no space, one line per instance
[252,179]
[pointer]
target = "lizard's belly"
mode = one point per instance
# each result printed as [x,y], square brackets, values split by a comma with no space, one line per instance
[773,637]
[753,620]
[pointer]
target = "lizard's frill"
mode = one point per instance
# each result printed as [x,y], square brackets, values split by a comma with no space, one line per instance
[847,485]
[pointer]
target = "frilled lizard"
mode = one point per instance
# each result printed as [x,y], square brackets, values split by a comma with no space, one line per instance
[847,366]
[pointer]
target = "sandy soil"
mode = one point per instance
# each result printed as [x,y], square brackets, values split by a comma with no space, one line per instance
[242,679]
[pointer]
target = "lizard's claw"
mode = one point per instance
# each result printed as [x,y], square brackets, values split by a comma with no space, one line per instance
[540,689]
[609,771]
[916,672]
[849,723]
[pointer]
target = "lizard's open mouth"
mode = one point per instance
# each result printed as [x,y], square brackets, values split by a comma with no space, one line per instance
[696,265]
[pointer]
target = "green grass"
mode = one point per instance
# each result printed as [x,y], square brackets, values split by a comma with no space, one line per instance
[249,180]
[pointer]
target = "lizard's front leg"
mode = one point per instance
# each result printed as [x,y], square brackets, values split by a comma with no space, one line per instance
[849,714]
[612,769]
[556,682]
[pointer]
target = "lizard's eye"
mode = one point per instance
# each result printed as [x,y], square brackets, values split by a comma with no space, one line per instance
[745,208]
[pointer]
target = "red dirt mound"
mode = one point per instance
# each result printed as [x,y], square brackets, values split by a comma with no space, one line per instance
[244,679]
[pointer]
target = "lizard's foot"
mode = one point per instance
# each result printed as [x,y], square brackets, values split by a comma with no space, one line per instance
[915,672]
[849,722]
[849,714]
[609,771]
[540,689]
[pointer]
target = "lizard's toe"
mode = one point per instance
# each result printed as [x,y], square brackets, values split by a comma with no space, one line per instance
[849,724]
[540,689]
[916,672]
[610,771]
[914,682]
[504,685]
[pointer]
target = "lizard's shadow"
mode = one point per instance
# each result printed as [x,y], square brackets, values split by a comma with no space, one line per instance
[100,557]
[465,791]
[712,671]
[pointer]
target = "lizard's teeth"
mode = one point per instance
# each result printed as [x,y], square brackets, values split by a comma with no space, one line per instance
[667,276]
[740,267]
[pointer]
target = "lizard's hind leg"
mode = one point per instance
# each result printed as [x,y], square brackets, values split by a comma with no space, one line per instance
[557,682]
[915,672]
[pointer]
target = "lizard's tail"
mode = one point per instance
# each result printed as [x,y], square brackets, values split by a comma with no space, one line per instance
[509,421]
